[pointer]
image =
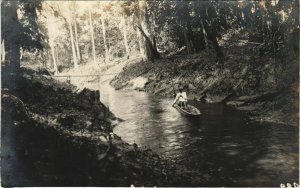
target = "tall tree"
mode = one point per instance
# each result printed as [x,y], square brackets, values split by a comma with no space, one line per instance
[125,36]
[140,40]
[54,57]
[92,35]
[144,26]
[211,24]
[20,32]
[2,51]
[104,36]
[72,38]
[168,26]
[76,40]
[184,20]
[57,60]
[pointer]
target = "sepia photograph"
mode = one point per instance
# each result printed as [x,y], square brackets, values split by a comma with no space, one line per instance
[150,93]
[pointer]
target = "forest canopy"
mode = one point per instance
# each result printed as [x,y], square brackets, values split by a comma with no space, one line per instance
[69,33]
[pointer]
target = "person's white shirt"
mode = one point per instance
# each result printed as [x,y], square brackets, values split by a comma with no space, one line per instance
[181,97]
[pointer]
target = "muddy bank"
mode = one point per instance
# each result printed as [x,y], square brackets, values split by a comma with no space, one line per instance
[63,137]
[263,87]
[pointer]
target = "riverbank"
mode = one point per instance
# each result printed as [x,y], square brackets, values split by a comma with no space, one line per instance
[58,135]
[220,146]
[264,87]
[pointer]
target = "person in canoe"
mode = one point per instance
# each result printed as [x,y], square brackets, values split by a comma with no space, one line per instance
[181,97]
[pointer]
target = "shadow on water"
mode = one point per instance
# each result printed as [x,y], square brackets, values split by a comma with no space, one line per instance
[227,150]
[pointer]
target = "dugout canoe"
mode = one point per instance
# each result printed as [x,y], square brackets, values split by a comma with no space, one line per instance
[189,111]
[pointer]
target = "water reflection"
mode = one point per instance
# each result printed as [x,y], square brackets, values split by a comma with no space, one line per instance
[220,145]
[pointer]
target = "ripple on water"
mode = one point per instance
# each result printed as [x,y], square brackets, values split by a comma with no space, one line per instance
[249,155]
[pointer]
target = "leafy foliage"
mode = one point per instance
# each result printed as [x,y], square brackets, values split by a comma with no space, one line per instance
[25,30]
[155,27]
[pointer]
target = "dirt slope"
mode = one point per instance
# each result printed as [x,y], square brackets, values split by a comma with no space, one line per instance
[263,86]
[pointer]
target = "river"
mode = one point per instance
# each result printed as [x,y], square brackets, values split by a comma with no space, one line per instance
[221,145]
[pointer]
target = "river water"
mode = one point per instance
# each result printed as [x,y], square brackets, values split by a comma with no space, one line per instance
[220,145]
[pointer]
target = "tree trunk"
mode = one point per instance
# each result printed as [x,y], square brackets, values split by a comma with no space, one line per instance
[77,42]
[12,45]
[149,23]
[211,34]
[72,39]
[186,26]
[217,48]
[151,51]
[186,40]
[92,34]
[56,55]
[199,43]
[104,39]
[142,53]
[57,60]
[190,35]
[2,51]
[154,43]
[53,57]
[204,34]
[142,45]
[125,36]
[13,52]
